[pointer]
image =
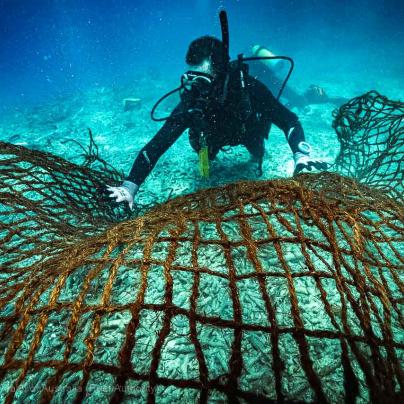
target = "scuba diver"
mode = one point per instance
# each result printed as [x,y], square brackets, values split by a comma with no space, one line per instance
[268,72]
[221,105]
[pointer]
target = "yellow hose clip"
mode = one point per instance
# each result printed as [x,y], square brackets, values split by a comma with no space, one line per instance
[203,157]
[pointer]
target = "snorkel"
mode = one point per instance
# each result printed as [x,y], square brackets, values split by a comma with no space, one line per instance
[224,25]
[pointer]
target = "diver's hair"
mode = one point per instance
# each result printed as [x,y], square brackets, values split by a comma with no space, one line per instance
[203,48]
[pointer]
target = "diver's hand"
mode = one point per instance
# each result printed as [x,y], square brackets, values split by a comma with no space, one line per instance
[305,162]
[124,193]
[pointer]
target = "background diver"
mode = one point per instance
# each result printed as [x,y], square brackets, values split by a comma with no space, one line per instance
[269,72]
[221,105]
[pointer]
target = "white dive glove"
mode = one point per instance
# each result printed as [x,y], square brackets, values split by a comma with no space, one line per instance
[124,193]
[304,161]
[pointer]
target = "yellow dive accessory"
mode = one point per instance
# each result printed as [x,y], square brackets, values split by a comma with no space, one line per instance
[203,157]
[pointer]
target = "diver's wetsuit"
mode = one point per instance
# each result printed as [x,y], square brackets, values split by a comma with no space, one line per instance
[222,126]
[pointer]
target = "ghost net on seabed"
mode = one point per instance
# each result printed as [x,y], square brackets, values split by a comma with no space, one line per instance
[274,290]
[370,129]
[46,201]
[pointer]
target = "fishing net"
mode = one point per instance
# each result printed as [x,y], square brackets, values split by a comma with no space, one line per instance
[370,129]
[286,290]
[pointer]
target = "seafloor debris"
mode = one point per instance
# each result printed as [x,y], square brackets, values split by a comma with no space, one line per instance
[130,104]
[91,156]
[278,290]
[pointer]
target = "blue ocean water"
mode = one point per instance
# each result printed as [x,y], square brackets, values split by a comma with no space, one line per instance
[96,298]
[50,48]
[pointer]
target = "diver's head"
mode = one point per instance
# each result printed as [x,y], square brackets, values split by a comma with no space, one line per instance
[207,66]
[205,54]
[205,61]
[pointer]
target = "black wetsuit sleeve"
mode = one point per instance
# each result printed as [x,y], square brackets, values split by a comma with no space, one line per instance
[264,101]
[159,144]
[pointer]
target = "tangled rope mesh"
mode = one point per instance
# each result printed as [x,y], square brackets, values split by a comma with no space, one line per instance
[370,129]
[286,290]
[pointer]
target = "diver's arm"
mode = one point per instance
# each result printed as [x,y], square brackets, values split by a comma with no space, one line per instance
[160,143]
[281,116]
[289,123]
[149,155]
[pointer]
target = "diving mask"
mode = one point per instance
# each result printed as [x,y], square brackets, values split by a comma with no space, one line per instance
[197,83]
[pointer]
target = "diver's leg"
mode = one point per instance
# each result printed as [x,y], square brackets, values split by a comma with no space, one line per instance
[194,139]
[212,152]
[256,147]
